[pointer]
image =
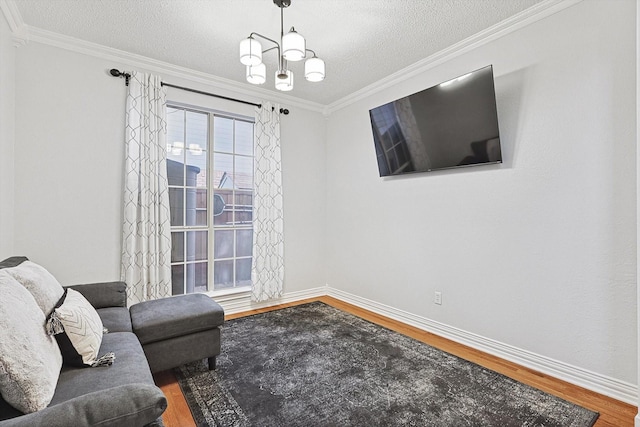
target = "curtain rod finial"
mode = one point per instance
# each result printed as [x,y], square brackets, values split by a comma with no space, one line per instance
[117,73]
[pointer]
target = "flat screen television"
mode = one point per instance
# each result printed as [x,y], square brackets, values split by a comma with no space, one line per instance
[450,125]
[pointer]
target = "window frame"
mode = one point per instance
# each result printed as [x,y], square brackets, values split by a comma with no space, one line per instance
[210,227]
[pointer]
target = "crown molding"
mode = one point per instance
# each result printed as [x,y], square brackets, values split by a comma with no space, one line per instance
[23,33]
[12,15]
[526,17]
[134,60]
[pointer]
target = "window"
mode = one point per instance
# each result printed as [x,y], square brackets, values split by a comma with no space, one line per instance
[210,174]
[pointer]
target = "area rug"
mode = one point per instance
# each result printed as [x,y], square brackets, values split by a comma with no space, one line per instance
[313,365]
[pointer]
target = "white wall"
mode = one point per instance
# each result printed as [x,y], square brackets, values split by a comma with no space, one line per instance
[304,186]
[637,418]
[68,163]
[539,252]
[68,168]
[7,113]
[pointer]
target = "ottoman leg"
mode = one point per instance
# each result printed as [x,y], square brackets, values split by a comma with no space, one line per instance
[212,363]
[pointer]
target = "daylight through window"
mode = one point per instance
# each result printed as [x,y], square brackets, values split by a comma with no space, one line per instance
[210,174]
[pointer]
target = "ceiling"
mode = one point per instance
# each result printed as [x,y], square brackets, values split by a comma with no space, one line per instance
[361,41]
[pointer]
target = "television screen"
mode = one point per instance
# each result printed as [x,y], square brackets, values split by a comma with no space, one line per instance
[450,125]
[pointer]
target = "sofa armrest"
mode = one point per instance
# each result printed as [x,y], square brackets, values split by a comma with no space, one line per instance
[131,405]
[106,294]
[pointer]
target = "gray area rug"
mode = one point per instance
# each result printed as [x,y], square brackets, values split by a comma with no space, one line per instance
[314,365]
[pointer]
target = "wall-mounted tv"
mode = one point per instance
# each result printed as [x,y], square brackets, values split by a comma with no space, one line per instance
[450,125]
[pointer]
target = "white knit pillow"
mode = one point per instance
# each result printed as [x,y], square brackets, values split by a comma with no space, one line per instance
[30,360]
[43,286]
[78,330]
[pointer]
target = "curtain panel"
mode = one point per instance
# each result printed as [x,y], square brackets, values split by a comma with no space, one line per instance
[267,272]
[146,228]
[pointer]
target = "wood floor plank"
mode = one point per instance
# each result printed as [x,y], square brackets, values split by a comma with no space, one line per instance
[178,413]
[613,413]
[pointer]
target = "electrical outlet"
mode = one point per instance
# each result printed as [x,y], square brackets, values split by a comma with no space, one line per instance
[438,298]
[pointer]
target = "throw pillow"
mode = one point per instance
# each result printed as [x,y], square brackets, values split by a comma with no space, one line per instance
[30,360]
[78,330]
[13,261]
[42,285]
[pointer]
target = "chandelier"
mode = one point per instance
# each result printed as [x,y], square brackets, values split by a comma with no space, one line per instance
[292,47]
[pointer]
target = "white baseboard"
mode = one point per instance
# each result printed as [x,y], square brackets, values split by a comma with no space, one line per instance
[237,303]
[599,383]
[637,423]
[602,384]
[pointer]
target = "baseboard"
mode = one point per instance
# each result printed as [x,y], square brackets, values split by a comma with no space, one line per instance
[619,390]
[602,384]
[236,303]
[637,423]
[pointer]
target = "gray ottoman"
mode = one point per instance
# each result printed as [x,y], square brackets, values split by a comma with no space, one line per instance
[177,330]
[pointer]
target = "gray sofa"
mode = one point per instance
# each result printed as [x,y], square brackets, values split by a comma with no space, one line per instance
[147,337]
[121,395]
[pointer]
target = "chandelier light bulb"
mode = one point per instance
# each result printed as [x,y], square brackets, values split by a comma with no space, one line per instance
[195,149]
[314,69]
[257,74]
[284,84]
[250,51]
[293,46]
[176,148]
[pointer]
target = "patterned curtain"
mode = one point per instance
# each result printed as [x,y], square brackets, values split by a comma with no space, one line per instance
[267,272]
[146,229]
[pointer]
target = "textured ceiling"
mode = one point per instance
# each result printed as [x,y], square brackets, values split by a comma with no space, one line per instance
[361,41]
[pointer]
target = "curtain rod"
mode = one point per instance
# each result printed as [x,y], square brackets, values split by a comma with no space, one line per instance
[117,73]
[211,94]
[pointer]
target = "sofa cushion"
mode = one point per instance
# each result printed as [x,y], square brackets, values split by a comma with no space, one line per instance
[30,360]
[7,411]
[104,294]
[43,286]
[176,316]
[129,405]
[78,330]
[115,319]
[130,367]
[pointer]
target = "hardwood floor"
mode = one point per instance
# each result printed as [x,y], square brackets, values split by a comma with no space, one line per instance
[613,413]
